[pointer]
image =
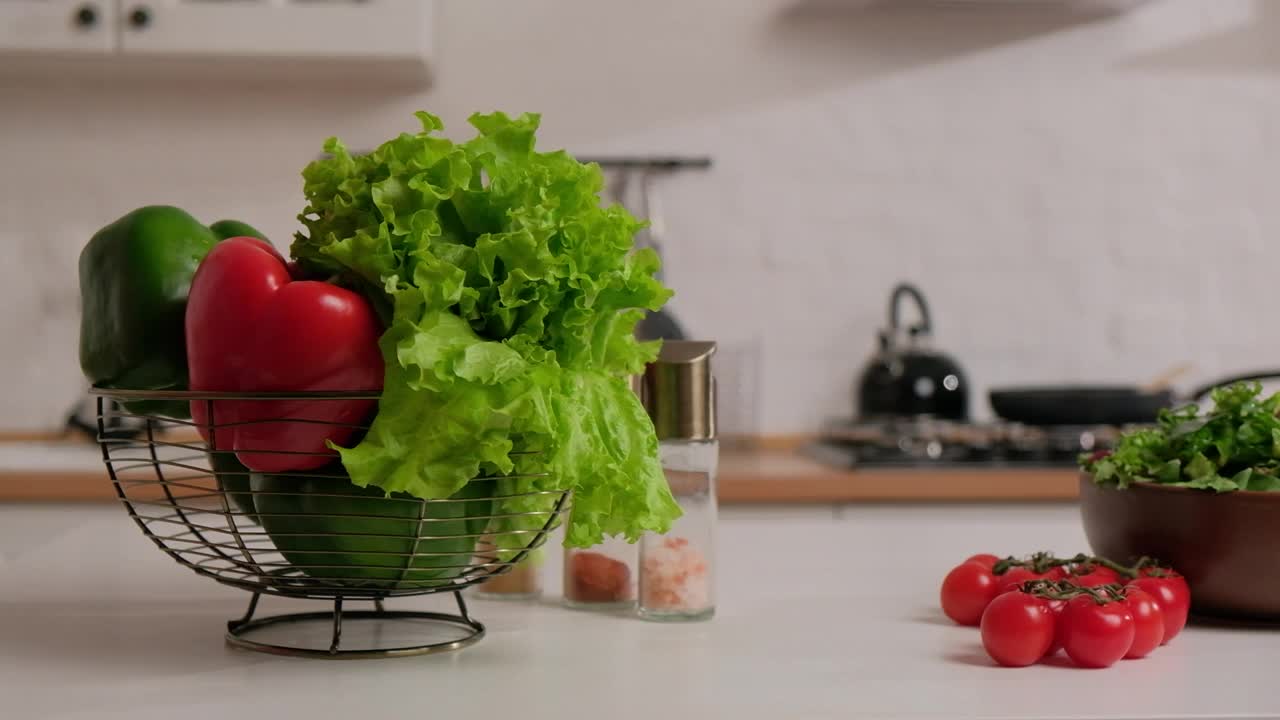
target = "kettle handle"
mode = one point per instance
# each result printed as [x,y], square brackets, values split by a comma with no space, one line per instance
[903,289]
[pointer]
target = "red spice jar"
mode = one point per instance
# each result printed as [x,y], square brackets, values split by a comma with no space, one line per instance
[601,577]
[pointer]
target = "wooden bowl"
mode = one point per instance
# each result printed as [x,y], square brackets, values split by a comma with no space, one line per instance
[1226,544]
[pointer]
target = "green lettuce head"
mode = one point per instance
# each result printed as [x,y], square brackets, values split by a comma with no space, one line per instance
[511,296]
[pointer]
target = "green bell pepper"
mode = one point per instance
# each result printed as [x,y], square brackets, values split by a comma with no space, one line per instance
[234,481]
[134,277]
[341,533]
[234,228]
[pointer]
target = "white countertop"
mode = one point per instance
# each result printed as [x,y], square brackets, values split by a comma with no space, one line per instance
[823,614]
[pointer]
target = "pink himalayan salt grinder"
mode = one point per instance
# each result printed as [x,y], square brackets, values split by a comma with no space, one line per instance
[677,570]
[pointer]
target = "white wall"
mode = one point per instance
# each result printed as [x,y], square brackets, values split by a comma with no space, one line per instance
[1084,189]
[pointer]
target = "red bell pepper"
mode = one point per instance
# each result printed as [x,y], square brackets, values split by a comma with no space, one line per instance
[251,327]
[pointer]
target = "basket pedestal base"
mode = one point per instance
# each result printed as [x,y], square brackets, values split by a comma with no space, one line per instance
[348,634]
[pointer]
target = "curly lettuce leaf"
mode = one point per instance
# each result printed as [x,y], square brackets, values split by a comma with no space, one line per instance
[1234,446]
[512,295]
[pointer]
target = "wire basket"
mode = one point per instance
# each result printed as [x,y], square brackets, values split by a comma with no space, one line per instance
[311,533]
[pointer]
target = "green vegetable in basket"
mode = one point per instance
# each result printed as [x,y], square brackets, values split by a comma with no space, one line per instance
[1234,446]
[337,532]
[234,228]
[512,296]
[134,277]
[233,479]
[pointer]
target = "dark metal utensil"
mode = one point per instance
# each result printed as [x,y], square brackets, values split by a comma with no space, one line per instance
[1078,404]
[114,425]
[1099,404]
[654,162]
[658,325]
[662,324]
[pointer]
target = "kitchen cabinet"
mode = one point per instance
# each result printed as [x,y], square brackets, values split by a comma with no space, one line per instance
[65,26]
[327,28]
[153,31]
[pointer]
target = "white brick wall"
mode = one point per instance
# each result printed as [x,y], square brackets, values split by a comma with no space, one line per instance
[1083,196]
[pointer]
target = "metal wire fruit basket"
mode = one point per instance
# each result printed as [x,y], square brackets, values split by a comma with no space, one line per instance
[312,533]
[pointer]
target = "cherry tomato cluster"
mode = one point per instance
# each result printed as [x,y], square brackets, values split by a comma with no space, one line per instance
[1094,610]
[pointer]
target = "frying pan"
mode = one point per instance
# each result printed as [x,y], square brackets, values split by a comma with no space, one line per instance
[1098,404]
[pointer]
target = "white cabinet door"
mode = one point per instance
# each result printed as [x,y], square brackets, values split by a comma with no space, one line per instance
[58,25]
[392,29]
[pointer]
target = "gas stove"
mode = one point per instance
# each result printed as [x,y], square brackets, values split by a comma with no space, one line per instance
[923,442]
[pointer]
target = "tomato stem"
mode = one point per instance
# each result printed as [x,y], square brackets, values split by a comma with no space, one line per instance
[1050,590]
[1042,562]
[1123,570]
[1066,590]
[1039,562]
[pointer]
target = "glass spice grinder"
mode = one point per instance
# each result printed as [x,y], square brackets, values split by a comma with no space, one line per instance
[677,569]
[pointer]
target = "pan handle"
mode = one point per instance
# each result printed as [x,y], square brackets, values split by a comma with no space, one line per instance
[1203,391]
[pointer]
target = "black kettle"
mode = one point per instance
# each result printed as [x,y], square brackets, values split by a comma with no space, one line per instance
[906,378]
